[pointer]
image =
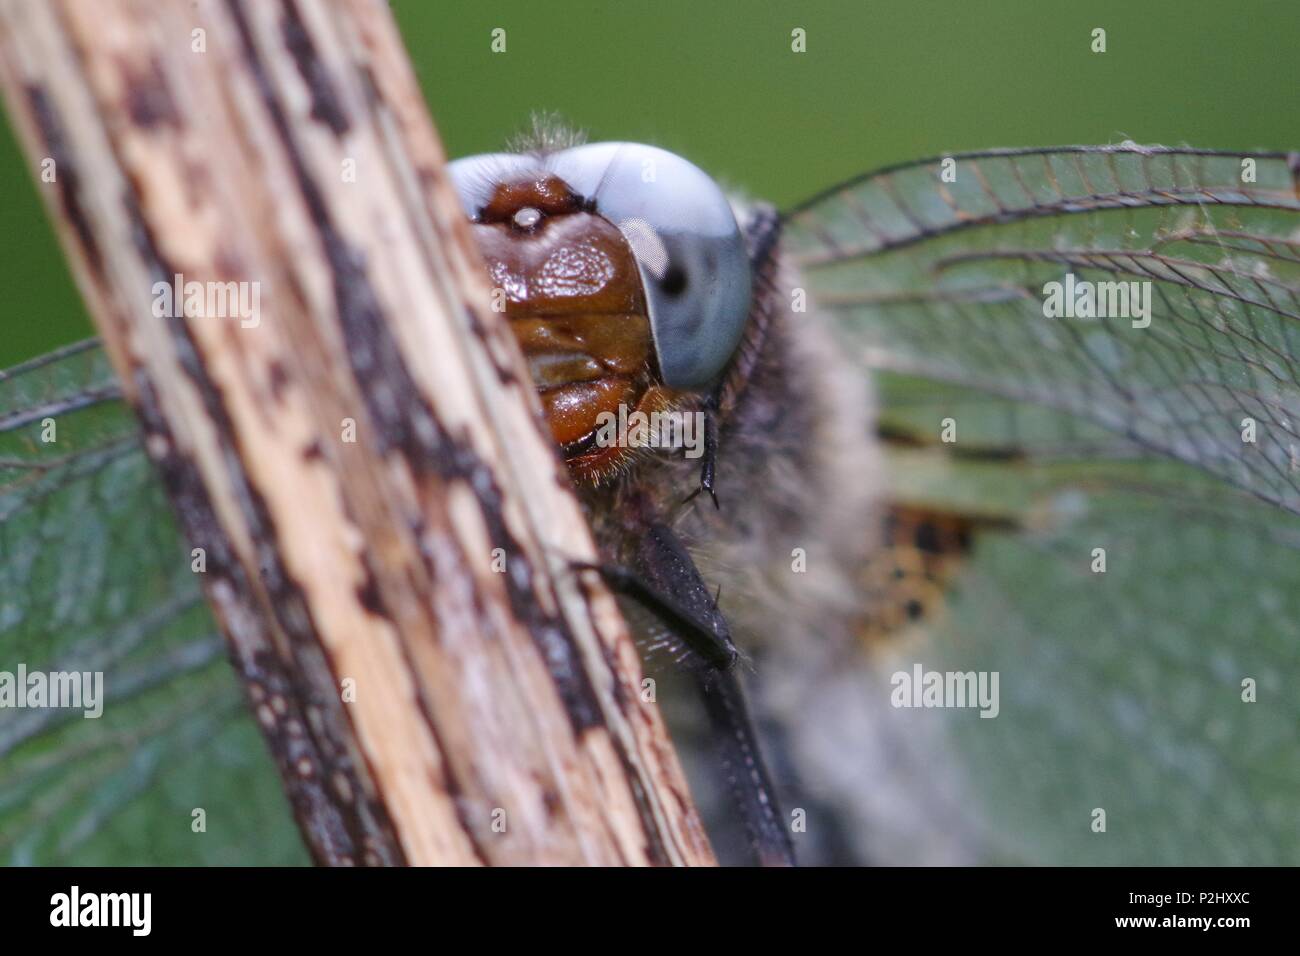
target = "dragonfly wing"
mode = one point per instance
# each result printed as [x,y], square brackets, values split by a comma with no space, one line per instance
[948,280]
[94,578]
[1143,620]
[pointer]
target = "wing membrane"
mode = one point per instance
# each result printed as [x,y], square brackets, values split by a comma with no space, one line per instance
[946,281]
[93,577]
[1121,690]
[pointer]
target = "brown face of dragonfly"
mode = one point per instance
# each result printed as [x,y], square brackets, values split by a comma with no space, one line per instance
[574,299]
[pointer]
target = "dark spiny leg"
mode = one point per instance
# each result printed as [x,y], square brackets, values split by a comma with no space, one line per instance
[666,582]
[742,763]
[708,470]
[702,635]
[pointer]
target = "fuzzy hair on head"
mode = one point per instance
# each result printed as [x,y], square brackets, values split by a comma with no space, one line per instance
[547,133]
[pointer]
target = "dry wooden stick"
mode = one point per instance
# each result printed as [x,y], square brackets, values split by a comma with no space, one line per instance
[346,430]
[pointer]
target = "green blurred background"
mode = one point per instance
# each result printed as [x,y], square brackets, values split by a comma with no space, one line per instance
[880,82]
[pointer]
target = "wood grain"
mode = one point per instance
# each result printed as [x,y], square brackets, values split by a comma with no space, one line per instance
[386,525]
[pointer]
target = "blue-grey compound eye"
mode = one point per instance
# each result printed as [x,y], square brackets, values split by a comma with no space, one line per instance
[688,247]
[475,177]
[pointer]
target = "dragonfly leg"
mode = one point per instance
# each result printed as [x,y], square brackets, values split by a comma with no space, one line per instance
[705,634]
[708,469]
[746,775]
[666,582]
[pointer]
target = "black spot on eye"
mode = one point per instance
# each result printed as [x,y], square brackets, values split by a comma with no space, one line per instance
[674,281]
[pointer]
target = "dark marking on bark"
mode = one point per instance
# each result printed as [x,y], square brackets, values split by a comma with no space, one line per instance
[325,832]
[225,260]
[551,802]
[370,87]
[335,834]
[66,175]
[279,378]
[325,104]
[621,700]
[506,374]
[148,101]
[368,594]
[655,850]
[336,250]
[405,422]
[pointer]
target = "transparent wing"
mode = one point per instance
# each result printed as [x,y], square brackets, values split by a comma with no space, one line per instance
[93,578]
[946,280]
[1160,689]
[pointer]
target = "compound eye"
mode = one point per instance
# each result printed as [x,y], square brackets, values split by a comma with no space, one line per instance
[477,177]
[688,247]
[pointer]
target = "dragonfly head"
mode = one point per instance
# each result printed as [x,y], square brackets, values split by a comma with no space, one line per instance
[624,277]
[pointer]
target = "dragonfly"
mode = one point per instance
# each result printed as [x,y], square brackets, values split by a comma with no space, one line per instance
[1027,415]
